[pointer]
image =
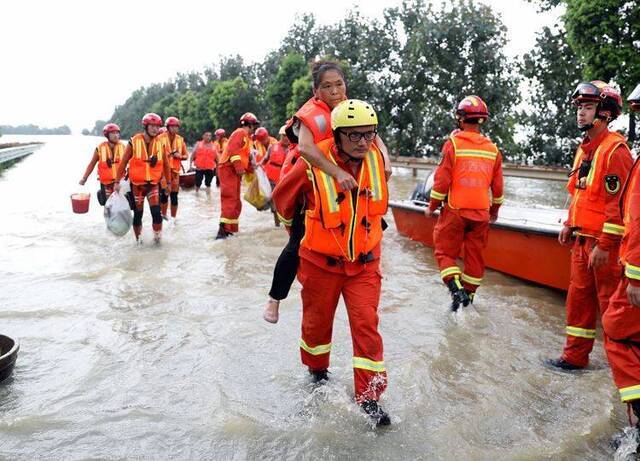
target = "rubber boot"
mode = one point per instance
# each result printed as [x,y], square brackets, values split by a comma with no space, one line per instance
[174,211]
[562,364]
[458,294]
[163,211]
[376,412]
[318,376]
[222,234]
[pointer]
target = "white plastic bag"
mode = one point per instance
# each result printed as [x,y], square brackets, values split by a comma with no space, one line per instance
[117,214]
[263,183]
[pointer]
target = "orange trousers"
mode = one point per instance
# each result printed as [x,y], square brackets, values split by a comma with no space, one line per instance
[452,231]
[587,299]
[321,291]
[621,325]
[230,200]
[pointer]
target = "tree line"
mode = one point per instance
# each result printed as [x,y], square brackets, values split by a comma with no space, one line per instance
[33,129]
[414,65]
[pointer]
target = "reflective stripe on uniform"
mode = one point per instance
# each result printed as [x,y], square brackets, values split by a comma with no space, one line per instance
[228,221]
[437,195]
[630,393]
[366,364]
[472,280]
[613,229]
[318,350]
[498,200]
[235,158]
[581,332]
[283,220]
[453,270]
[631,271]
[476,153]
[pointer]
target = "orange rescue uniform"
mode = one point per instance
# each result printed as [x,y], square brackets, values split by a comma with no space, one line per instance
[471,167]
[621,320]
[235,161]
[340,256]
[277,154]
[594,215]
[261,150]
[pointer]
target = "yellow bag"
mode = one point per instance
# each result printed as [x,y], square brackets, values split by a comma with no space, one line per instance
[255,197]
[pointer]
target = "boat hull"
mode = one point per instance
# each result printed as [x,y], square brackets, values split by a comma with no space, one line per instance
[8,356]
[527,253]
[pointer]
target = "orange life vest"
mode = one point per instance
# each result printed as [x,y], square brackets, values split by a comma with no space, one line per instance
[276,160]
[316,116]
[106,173]
[219,147]
[205,155]
[474,158]
[261,150]
[177,145]
[140,169]
[587,209]
[245,151]
[347,224]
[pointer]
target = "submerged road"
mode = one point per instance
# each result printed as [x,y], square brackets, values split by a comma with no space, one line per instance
[144,352]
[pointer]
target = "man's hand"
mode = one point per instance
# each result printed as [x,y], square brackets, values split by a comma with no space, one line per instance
[428,212]
[633,295]
[598,257]
[493,217]
[82,181]
[564,237]
[346,181]
[116,186]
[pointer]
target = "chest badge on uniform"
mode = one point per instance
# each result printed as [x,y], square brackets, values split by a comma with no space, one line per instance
[612,183]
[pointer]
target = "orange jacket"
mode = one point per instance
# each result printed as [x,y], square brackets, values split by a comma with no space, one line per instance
[630,247]
[219,147]
[346,225]
[106,156]
[238,151]
[470,168]
[595,198]
[261,150]
[138,156]
[204,155]
[177,145]
[277,154]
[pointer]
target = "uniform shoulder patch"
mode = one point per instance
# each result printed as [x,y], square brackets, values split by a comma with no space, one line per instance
[612,183]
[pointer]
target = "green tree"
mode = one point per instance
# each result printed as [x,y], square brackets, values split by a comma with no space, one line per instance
[605,34]
[552,71]
[229,100]
[279,91]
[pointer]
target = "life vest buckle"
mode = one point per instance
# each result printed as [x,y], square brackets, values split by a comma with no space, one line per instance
[366,258]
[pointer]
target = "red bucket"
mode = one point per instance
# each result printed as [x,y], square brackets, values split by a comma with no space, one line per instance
[80,202]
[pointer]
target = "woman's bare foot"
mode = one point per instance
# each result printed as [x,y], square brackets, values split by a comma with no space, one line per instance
[271,311]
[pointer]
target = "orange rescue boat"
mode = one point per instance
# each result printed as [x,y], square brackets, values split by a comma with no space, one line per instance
[523,242]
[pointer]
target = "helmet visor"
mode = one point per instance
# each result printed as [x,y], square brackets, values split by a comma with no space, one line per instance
[586,92]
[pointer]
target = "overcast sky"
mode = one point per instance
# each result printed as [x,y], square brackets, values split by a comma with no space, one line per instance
[71,62]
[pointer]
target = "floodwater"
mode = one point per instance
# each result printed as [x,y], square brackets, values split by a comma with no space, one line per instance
[145,352]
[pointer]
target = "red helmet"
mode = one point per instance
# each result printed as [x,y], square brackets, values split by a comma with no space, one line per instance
[220,133]
[172,121]
[110,128]
[249,119]
[634,99]
[262,134]
[607,97]
[472,108]
[151,119]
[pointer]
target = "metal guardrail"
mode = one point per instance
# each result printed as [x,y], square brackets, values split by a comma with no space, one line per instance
[11,153]
[508,169]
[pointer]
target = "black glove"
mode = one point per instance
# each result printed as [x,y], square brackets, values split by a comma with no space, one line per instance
[153,161]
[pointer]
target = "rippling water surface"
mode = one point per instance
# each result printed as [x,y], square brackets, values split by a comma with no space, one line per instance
[161,353]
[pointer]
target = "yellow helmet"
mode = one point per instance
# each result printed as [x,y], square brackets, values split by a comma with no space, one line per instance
[353,112]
